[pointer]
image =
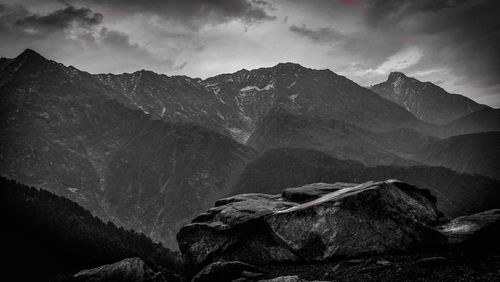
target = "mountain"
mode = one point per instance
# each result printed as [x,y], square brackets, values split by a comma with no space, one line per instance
[173,98]
[277,169]
[63,130]
[480,121]
[51,235]
[471,153]
[148,151]
[233,104]
[425,100]
[339,139]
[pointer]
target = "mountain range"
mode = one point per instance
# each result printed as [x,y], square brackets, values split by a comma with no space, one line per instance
[149,151]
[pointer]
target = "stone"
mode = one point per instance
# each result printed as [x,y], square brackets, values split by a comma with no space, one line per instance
[480,230]
[227,271]
[127,270]
[370,218]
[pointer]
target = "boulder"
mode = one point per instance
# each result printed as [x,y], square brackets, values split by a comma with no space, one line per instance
[341,221]
[127,270]
[227,271]
[371,218]
[480,230]
[234,231]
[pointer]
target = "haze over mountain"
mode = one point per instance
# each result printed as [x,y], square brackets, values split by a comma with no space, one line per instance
[471,153]
[425,100]
[480,121]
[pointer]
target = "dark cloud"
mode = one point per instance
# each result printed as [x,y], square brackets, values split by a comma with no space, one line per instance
[461,34]
[191,12]
[16,18]
[396,10]
[61,19]
[322,35]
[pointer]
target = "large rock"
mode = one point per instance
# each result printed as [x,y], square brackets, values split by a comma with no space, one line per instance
[370,218]
[478,230]
[127,270]
[234,230]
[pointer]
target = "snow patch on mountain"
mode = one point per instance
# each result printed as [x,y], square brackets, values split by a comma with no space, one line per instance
[256,88]
[293,97]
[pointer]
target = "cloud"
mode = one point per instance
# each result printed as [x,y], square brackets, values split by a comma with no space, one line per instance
[193,13]
[61,19]
[401,60]
[16,19]
[321,35]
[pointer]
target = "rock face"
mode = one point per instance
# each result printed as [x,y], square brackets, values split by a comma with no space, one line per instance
[129,270]
[370,218]
[479,230]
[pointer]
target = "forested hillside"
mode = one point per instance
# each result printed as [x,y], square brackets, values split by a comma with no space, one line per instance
[44,235]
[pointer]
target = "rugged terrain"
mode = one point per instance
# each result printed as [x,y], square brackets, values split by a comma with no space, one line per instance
[149,151]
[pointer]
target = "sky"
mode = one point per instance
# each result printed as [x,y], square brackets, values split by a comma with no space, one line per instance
[452,43]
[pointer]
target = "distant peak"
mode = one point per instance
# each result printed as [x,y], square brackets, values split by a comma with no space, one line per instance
[395,75]
[30,53]
[289,65]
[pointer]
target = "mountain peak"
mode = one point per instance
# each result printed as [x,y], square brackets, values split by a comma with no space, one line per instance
[396,75]
[29,53]
[289,66]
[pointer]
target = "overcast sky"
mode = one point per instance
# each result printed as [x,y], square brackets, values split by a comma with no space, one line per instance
[453,43]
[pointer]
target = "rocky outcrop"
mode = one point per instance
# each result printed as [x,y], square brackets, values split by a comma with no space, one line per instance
[480,230]
[130,270]
[370,218]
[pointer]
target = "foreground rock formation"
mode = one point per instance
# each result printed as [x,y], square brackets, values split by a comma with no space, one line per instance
[373,231]
[127,270]
[335,222]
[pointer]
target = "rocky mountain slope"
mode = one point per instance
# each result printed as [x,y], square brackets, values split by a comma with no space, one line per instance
[277,169]
[62,130]
[471,153]
[425,100]
[233,104]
